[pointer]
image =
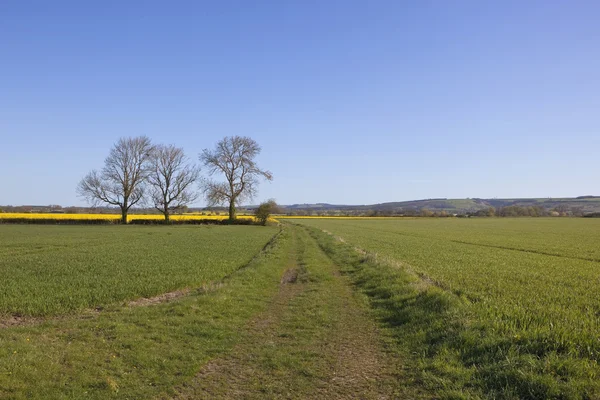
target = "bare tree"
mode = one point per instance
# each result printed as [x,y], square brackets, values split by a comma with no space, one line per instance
[121,181]
[171,179]
[234,158]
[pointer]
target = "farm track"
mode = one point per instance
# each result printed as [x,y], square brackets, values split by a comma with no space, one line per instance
[315,340]
[530,251]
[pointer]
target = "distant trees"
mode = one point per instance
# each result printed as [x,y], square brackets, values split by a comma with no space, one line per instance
[122,181]
[426,213]
[518,211]
[486,212]
[233,157]
[562,209]
[265,210]
[171,179]
[577,211]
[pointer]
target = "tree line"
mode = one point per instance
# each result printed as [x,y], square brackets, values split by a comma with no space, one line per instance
[137,172]
[530,211]
[506,211]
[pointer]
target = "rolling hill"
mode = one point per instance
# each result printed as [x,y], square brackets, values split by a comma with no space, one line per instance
[584,204]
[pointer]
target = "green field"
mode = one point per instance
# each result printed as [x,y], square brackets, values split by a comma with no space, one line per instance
[278,321]
[520,298]
[52,270]
[317,308]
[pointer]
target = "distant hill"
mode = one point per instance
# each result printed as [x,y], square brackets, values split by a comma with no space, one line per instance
[314,206]
[577,205]
[585,204]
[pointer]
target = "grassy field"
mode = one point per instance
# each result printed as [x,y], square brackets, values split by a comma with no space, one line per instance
[573,237]
[317,308]
[287,325]
[52,270]
[141,351]
[519,315]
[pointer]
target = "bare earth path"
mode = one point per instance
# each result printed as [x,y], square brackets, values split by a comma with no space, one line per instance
[316,340]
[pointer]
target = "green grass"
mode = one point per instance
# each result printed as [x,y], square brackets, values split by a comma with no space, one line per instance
[53,270]
[466,309]
[251,337]
[482,303]
[567,237]
[316,340]
[138,352]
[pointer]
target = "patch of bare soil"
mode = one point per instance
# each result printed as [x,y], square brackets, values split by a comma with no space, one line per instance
[162,298]
[289,276]
[10,321]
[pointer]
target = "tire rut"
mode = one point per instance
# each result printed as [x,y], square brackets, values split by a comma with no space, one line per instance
[348,359]
[234,371]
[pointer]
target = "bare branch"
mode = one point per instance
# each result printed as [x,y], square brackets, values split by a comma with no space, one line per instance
[121,181]
[171,179]
[234,158]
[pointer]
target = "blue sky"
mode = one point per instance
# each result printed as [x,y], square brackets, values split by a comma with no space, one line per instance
[353,102]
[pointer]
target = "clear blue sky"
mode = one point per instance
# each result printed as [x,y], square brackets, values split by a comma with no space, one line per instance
[353,102]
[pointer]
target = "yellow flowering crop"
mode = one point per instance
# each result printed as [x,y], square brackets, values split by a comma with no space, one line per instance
[130,217]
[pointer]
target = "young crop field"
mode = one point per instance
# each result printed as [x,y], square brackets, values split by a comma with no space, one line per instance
[380,308]
[274,321]
[518,311]
[52,270]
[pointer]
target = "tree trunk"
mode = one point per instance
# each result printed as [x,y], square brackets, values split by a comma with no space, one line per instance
[232,211]
[165,210]
[123,215]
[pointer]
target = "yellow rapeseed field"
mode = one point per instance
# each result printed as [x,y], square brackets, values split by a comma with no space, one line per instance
[175,217]
[130,217]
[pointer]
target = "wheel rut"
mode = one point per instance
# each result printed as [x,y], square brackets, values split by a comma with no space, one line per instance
[315,340]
